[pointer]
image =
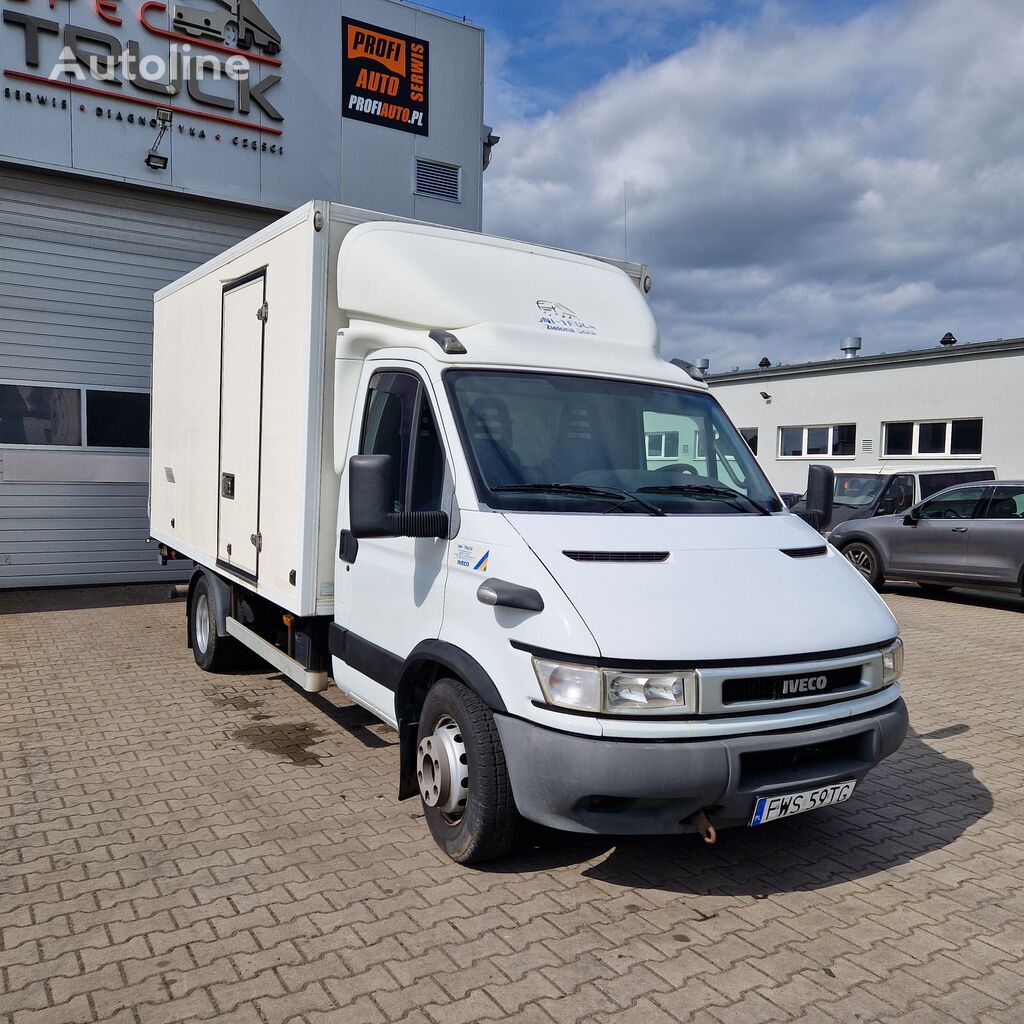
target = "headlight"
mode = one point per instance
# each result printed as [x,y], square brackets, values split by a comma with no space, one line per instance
[586,688]
[892,662]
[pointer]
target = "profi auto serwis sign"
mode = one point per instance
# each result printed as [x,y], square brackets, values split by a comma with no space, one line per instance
[385,77]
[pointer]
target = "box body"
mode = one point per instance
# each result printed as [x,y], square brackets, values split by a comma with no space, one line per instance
[242,420]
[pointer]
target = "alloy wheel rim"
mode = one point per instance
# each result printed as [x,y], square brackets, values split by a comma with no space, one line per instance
[861,560]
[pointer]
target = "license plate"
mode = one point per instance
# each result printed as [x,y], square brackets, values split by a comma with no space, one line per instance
[771,808]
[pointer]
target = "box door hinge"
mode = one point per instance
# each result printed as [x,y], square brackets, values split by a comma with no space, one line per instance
[257,541]
[263,313]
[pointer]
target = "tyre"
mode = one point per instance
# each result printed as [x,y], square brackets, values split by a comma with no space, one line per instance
[212,653]
[935,588]
[229,35]
[865,559]
[464,785]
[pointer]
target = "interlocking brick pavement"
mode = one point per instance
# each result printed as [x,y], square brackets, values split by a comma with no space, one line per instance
[176,846]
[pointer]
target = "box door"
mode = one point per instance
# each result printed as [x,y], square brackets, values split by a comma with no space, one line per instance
[241,403]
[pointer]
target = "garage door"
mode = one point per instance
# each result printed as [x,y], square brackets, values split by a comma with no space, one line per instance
[79,263]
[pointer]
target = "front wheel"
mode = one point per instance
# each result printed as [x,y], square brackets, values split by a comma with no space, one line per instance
[463,780]
[865,559]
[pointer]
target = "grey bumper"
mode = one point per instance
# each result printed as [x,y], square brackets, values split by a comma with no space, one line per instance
[619,787]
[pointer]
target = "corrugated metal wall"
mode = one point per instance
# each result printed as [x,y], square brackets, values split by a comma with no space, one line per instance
[79,263]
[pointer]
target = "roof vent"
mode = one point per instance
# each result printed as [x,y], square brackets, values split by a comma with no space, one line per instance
[438,181]
[850,346]
[765,363]
[948,341]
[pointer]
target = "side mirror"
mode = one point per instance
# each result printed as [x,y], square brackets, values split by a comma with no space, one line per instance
[371,504]
[821,491]
[911,518]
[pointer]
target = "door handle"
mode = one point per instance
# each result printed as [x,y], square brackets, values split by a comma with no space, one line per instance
[959,529]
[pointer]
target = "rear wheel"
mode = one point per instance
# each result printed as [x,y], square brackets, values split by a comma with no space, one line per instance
[865,559]
[463,781]
[213,653]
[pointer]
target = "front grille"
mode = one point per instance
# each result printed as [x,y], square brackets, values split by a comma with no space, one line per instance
[617,556]
[788,687]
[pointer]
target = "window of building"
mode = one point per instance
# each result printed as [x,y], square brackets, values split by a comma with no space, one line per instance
[838,441]
[749,435]
[116,419]
[933,437]
[40,415]
[63,417]
[663,445]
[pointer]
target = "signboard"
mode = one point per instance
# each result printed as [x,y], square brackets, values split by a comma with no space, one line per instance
[192,95]
[385,77]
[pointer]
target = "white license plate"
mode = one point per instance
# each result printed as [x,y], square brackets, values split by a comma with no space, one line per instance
[770,808]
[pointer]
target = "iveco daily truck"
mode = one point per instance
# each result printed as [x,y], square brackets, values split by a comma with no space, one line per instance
[452,473]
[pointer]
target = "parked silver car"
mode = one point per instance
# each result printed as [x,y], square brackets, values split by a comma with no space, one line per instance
[971,535]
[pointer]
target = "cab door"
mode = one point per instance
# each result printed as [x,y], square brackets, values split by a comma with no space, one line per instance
[391,589]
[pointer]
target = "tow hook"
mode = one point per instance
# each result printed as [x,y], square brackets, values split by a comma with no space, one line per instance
[702,823]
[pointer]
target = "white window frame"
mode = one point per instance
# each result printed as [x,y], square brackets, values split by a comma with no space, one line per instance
[662,434]
[830,427]
[82,390]
[915,454]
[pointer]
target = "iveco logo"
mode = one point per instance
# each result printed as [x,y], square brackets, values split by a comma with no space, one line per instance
[807,684]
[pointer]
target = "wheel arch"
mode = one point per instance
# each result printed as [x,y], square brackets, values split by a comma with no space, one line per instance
[432,660]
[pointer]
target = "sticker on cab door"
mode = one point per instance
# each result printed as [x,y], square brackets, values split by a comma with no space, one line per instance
[474,557]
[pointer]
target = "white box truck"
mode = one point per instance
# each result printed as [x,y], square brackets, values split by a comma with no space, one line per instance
[453,473]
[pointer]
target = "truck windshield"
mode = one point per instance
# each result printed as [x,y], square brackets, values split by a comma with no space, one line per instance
[545,442]
[858,490]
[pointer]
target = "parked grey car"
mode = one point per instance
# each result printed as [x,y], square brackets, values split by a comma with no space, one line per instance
[971,535]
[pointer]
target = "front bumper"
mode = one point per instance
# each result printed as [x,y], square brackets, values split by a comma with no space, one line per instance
[622,787]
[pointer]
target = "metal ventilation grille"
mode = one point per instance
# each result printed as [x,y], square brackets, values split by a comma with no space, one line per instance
[438,181]
[617,556]
[867,445]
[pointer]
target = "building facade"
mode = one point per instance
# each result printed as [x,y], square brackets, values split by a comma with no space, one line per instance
[140,138]
[953,405]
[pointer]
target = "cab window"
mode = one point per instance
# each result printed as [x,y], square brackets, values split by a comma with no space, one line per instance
[399,422]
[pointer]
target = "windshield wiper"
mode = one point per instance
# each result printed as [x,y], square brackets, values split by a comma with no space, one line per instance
[707,491]
[584,490]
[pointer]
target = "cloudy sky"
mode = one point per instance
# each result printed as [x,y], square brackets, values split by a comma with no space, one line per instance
[794,171]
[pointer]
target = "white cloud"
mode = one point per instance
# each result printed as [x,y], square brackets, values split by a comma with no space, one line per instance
[792,183]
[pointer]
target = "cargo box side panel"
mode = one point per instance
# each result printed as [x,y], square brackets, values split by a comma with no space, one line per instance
[330,482]
[186,489]
[290,423]
[185,420]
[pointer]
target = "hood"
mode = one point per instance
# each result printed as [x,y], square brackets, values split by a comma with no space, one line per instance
[726,589]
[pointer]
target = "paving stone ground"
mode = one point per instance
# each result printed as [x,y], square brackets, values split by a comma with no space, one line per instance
[176,846]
